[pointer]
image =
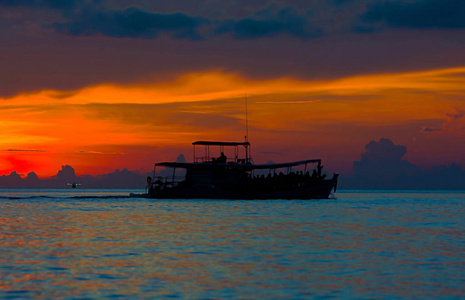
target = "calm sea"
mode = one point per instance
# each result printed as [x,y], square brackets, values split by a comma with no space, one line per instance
[80,243]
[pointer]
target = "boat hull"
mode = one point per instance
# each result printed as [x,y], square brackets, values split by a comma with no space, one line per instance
[319,189]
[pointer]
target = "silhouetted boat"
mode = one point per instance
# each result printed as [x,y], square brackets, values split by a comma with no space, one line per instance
[238,178]
[74,184]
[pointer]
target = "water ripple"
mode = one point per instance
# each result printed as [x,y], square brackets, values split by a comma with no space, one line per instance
[360,246]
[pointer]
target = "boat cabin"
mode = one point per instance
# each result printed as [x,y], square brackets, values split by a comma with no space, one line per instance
[236,177]
[210,155]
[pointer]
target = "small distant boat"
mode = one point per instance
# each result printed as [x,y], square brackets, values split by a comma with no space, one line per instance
[74,184]
[238,178]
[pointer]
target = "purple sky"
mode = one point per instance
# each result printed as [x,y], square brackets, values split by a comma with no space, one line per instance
[360,71]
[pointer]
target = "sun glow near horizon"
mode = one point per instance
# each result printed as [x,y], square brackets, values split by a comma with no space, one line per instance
[101,128]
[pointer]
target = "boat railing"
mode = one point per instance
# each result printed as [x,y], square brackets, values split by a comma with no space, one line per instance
[232,160]
[212,149]
[163,182]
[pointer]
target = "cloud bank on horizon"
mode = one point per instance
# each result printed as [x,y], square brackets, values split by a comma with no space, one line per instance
[101,85]
[66,177]
[381,166]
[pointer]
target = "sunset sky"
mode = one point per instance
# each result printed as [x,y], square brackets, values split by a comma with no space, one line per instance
[105,85]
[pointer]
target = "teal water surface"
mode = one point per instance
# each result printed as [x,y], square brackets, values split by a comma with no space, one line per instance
[103,244]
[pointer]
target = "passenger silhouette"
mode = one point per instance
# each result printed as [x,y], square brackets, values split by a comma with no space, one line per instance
[314,174]
[222,158]
[319,167]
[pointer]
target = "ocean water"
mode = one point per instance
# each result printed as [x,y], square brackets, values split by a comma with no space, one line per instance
[76,243]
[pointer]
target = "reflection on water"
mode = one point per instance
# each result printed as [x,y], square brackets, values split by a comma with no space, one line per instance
[361,245]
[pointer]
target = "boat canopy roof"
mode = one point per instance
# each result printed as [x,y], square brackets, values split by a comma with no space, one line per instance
[211,143]
[246,167]
[285,165]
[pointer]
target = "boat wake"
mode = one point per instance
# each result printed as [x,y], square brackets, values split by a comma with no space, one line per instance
[62,197]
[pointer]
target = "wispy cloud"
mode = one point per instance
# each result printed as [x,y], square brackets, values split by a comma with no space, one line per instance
[98,121]
[99,152]
[24,150]
[288,102]
[429,129]
[458,115]
[270,153]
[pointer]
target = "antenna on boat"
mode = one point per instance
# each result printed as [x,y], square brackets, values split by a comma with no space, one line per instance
[246,121]
[247,148]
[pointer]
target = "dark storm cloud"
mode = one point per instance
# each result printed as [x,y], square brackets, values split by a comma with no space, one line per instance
[131,22]
[384,151]
[269,22]
[341,1]
[134,22]
[382,167]
[425,14]
[52,4]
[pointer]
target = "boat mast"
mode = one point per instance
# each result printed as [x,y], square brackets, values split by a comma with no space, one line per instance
[246,131]
[246,121]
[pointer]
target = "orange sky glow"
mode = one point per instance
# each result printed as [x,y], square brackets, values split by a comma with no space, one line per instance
[101,128]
